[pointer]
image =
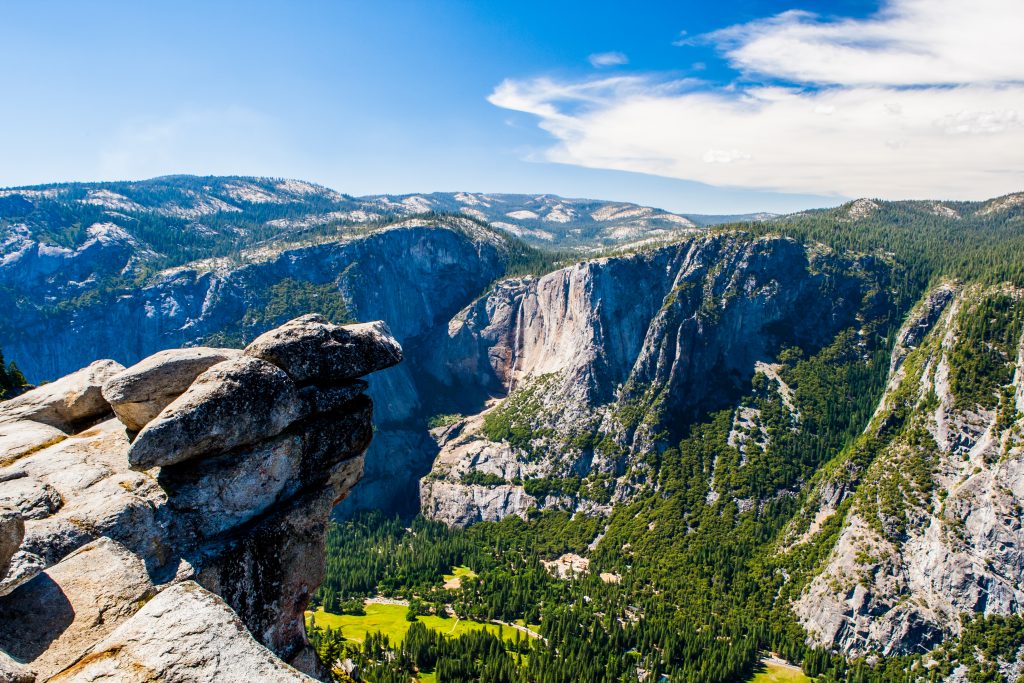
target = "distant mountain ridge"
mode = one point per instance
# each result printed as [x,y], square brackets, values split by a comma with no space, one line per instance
[247,210]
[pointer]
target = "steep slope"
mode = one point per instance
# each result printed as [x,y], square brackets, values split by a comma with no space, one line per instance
[606,361]
[931,524]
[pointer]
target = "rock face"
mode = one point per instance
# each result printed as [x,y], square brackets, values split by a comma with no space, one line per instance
[189,553]
[931,525]
[596,359]
[12,533]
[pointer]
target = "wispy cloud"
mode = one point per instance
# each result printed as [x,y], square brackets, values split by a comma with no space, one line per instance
[603,59]
[218,140]
[923,99]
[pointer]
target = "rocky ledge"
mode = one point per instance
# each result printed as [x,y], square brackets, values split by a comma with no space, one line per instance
[166,521]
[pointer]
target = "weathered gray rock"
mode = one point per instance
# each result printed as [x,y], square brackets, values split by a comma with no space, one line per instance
[215,494]
[140,392]
[184,635]
[68,402]
[24,436]
[12,533]
[24,565]
[56,617]
[32,498]
[234,403]
[310,347]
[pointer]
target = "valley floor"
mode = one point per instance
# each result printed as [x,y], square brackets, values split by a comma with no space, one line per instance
[389,620]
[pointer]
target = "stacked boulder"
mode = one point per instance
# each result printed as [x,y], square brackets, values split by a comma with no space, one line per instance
[193,488]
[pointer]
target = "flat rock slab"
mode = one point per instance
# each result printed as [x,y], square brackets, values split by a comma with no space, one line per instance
[140,392]
[99,495]
[235,403]
[70,400]
[184,635]
[311,348]
[25,436]
[57,616]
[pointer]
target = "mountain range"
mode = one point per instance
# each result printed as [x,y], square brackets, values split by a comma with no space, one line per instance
[827,405]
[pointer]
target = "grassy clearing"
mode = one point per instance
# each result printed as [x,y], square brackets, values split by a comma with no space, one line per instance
[390,620]
[454,580]
[777,673]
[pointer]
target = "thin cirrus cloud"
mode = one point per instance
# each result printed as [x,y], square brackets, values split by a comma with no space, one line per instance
[603,59]
[923,99]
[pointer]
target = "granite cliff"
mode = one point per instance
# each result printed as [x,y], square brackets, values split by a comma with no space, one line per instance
[929,497]
[166,521]
[569,380]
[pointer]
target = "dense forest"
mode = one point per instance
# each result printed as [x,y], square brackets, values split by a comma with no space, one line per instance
[688,581]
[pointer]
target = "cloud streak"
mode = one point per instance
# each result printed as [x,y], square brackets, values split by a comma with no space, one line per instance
[603,59]
[924,99]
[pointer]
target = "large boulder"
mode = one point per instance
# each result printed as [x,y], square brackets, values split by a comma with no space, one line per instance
[184,635]
[235,403]
[66,403]
[12,533]
[139,393]
[311,348]
[57,617]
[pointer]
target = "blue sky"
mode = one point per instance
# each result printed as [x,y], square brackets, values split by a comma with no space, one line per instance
[398,97]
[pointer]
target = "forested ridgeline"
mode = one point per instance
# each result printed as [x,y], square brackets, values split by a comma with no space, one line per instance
[970,241]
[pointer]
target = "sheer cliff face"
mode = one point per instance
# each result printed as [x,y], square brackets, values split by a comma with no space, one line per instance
[930,498]
[166,521]
[598,358]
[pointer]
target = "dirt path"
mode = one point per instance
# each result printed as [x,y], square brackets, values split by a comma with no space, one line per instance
[529,632]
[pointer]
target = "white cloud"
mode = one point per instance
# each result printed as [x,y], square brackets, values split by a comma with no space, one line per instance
[924,99]
[602,59]
[909,42]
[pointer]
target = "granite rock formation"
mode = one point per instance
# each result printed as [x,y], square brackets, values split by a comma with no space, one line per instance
[182,542]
